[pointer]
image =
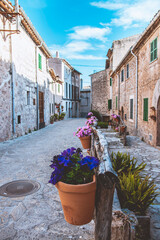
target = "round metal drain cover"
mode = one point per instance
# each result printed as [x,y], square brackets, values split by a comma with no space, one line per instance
[19,188]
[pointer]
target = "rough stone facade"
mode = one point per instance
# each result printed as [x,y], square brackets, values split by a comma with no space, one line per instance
[100,91]
[123,92]
[20,76]
[146,121]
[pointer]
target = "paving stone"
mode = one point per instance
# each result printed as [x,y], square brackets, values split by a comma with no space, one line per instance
[38,216]
[18,211]
[8,232]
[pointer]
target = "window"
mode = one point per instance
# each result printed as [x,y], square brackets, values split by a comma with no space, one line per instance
[127,71]
[116,102]
[153,52]
[28,97]
[131,108]
[110,81]
[50,108]
[145,109]
[34,101]
[109,104]
[66,90]
[69,90]
[66,106]
[40,61]
[122,75]
[59,88]
[19,119]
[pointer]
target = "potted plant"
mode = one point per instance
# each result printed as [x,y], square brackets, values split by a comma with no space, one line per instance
[84,134]
[116,117]
[52,119]
[92,121]
[74,178]
[122,129]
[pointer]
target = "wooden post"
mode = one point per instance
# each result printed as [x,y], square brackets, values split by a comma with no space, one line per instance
[106,179]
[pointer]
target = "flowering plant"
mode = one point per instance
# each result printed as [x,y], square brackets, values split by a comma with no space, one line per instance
[91,121]
[90,114]
[83,131]
[72,168]
[115,116]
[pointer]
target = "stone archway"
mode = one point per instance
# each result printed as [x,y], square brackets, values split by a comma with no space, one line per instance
[158,122]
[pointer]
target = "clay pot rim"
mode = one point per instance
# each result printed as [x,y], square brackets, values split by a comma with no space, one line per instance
[79,188]
[85,137]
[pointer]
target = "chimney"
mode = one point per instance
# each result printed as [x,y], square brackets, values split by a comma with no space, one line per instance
[57,54]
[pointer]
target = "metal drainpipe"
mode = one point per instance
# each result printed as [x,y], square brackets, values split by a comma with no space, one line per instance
[12,84]
[36,66]
[136,122]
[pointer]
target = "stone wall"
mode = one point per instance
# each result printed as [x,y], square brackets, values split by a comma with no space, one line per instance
[100,91]
[18,62]
[124,91]
[149,87]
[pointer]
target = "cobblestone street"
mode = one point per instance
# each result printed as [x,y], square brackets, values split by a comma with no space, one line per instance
[37,216]
[151,156]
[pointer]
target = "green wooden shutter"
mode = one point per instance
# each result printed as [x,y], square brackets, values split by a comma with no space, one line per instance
[145,109]
[153,50]
[40,61]
[110,81]
[116,102]
[109,104]
[58,88]
[131,108]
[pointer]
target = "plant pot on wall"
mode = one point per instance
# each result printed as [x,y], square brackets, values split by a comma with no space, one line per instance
[77,201]
[86,142]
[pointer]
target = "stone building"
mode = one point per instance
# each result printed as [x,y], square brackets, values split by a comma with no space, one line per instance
[85,104]
[70,85]
[100,91]
[25,80]
[102,81]
[138,85]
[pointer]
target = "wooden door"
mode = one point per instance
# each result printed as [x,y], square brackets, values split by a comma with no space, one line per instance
[41,110]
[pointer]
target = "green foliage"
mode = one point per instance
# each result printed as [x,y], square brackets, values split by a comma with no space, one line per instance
[29,130]
[35,129]
[102,124]
[97,115]
[137,193]
[56,116]
[61,116]
[52,119]
[123,163]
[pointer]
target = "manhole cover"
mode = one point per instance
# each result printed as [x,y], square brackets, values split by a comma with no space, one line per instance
[19,188]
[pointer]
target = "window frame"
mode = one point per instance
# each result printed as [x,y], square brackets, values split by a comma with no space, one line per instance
[109,104]
[122,71]
[127,71]
[40,61]
[145,109]
[152,51]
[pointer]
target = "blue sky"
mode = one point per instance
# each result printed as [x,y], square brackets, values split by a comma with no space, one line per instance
[83,30]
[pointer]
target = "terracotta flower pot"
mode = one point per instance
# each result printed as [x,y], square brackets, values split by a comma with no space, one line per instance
[122,129]
[77,201]
[86,142]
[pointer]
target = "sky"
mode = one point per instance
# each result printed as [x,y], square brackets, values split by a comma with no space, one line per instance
[83,30]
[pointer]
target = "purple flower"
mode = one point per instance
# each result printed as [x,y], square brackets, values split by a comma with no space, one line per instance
[91,162]
[90,114]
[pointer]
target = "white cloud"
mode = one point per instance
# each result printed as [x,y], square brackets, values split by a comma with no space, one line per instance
[88,32]
[75,50]
[132,13]
[114,5]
